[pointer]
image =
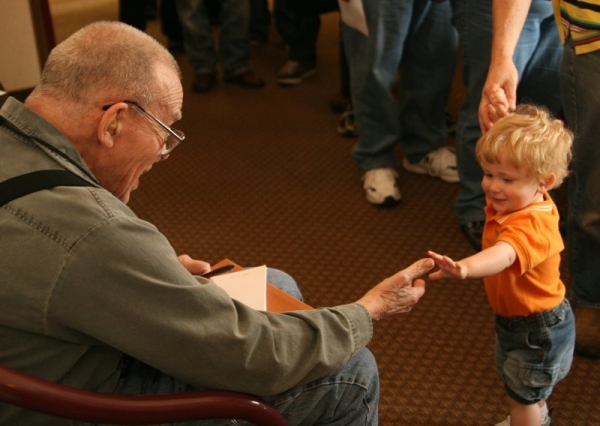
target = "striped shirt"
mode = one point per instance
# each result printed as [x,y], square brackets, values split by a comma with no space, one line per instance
[580,20]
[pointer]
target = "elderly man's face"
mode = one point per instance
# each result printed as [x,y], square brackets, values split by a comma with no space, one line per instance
[141,140]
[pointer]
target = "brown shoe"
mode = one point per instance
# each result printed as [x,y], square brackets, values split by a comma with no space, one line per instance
[204,82]
[587,338]
[246,79]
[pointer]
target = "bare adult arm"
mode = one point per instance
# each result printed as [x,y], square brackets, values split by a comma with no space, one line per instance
[498,97]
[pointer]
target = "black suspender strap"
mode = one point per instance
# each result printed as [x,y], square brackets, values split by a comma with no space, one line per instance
[22,185]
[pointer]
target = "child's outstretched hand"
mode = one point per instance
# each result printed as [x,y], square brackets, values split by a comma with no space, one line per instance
[448,267]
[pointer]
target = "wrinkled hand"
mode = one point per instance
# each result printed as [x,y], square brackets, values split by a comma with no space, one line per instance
[196,267]
[448,267]
[398,293]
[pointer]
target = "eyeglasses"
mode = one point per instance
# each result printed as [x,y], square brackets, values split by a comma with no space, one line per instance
[174,136]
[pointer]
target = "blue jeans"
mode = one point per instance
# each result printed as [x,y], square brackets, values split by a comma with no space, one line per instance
[580,87]
[284,17]
[234,39]
[298,31]
[260,20]
[534,353]
[417,38]
[348,397]
[537,58]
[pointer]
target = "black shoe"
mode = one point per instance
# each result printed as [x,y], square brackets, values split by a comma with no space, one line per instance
[339,103]
[204,82]
[347,124]
[474,232]
[246,79]
[450,124]
[295,72]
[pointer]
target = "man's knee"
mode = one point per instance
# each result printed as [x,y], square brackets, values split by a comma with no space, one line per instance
[284,281]
[364,368]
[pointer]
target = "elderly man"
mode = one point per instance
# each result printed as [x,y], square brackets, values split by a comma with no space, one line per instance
[85,281]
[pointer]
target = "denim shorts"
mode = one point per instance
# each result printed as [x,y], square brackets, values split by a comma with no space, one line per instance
[535,352]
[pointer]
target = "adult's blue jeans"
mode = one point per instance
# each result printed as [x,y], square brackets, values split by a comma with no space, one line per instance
[260,20]
[234,39]
[417,38]
[537,58]
[348,397]
[580,91]
[299,31]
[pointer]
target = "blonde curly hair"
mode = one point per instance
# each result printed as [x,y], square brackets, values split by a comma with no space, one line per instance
[532,138]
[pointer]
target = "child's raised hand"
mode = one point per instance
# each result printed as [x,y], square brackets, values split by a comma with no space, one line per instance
[448,267]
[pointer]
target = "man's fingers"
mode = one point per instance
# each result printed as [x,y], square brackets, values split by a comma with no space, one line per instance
[406,276]
[397,293]
[194,266]
[485,122]
[419,268]
[437,275]
[419,283]
[512,100]
[406,298]
[185,260]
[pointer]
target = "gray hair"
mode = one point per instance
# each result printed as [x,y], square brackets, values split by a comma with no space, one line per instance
[105,60]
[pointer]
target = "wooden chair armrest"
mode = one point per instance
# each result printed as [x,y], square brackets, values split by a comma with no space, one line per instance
[55,399]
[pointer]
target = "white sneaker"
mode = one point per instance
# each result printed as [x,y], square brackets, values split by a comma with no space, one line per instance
[439,163]
[381,186]
[293,73]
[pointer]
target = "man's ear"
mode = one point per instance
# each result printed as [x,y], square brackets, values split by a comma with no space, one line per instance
[548,183]
[111,123]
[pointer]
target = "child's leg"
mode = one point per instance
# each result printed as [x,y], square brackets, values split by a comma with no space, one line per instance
[527,415]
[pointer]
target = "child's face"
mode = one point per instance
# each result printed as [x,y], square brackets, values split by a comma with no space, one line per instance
[510,188]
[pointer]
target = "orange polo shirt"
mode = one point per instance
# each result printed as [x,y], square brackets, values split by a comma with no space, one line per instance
[532,284]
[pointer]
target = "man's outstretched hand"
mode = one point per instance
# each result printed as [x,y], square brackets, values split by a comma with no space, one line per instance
[398,293]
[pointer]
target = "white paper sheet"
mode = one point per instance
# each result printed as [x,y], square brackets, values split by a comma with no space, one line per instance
[248,286]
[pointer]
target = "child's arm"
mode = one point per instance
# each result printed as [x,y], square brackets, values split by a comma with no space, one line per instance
[485,263]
